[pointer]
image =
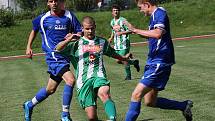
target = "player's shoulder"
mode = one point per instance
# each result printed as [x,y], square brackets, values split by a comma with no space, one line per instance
[161,11]
[69,13]
[122,18]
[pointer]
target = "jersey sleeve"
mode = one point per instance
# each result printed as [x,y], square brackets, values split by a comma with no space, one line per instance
[36,23]
[76,26]
[160,20]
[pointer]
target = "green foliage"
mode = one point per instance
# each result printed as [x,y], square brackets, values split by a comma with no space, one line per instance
[84,5]
[122,3]
[27,4]
[6,18]
[197,17]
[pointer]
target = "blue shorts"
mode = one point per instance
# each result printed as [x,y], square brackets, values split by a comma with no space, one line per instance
[56,62]
[156,76]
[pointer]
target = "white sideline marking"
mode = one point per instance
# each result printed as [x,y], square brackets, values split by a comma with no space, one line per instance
[132,44]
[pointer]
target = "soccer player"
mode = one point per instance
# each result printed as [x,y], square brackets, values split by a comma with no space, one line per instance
[158,66]
[53,27]
[120,36]
[86,55]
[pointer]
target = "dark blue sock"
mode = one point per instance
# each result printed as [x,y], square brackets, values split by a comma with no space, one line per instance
[67,97]
[40,96]
[133,111]
[164,103]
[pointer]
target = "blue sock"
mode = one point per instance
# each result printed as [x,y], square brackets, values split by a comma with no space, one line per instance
[67,97]
[133,111]
[164,103]
[40,96]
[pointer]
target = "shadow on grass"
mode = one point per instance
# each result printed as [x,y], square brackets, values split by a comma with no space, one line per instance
[150,119]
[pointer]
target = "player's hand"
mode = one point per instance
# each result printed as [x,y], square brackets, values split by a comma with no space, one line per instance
[110,40]
[119,33]
[29,53]
[130,26]
[72,37]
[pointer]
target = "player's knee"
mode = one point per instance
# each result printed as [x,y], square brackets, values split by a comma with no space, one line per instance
[70,81]
[148,104]
[136,96]
[51,91]
[103,96]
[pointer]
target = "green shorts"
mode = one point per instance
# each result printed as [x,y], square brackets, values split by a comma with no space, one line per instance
[122,52]
[87,95]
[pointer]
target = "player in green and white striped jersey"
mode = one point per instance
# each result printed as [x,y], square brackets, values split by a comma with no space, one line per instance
[86,55]
[120,36]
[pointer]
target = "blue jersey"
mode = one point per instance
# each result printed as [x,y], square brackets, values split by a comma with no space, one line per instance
[160,50]
[53,29]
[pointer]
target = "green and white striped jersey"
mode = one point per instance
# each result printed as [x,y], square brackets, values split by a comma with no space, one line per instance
[87,57]
[120,42]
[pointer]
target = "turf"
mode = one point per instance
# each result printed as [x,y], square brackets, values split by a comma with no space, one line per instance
[192,78]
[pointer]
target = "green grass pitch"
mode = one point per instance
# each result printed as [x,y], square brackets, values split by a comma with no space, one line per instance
[192,78]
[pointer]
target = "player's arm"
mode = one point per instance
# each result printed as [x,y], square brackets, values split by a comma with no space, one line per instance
[155,33]
[29,51]
[69,37]
[111,37]
[119,57]
[109,51]
[123,32]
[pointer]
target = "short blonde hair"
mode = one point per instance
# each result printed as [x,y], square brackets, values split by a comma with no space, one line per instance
[88,19]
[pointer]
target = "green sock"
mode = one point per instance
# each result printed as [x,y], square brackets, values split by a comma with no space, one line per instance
[128,70]
[110,109]
[131,61]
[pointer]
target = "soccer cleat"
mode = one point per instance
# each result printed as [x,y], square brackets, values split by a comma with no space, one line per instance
[136,65]
[27,111]
[66,118]
[187,113]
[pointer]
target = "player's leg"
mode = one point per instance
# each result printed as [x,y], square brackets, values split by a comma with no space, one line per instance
[109,106]
[87,99]
[151,100]
[91,113]
[69,79]
[135,104]
[127,65]
[159,74]
[41,95]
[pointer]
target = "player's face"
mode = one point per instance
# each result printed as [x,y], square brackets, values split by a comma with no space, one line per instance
[55,5]
[144,7]
[89,30]
[115,13]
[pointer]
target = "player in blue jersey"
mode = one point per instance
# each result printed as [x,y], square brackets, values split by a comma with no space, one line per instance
[158,65]
[53,27]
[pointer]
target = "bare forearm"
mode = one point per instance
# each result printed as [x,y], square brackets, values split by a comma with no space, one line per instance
[60,46]
[31,38]
[121,58]
[149,33]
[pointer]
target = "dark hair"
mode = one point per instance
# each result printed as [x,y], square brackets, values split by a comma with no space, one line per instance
[115,6]
[58,0]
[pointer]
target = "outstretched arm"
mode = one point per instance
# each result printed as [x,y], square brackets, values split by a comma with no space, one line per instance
[29,51]
[155,33]
[68,38]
